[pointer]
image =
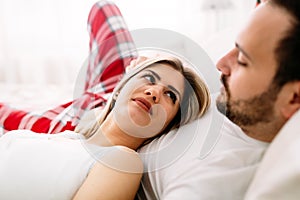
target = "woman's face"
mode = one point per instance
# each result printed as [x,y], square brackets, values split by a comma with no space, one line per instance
[149,101]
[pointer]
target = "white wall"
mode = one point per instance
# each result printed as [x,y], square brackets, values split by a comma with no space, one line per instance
[45,41]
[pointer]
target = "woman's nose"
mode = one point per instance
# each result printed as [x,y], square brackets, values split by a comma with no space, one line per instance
[225,64]
[154,92]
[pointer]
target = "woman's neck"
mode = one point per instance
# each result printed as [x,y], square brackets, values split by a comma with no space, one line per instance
[109,134]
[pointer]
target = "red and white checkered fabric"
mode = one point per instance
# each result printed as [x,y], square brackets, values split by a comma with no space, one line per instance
[111,50]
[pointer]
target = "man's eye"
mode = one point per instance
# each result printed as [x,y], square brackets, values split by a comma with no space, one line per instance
[242,63]
[172,96]
[150,78]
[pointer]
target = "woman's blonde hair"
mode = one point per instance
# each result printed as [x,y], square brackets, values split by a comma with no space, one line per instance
[195,101]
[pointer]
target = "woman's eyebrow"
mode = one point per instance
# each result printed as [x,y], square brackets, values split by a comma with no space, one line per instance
[154,74]
[169,86]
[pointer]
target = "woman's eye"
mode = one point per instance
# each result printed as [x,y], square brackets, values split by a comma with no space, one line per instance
[150,78]
[172,96]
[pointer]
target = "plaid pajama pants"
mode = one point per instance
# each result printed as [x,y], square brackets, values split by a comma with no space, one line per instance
[111,50]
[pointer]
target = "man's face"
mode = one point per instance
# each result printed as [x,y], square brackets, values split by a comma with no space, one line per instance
[249,95]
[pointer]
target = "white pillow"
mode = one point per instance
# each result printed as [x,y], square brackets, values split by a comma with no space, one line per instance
[278,176]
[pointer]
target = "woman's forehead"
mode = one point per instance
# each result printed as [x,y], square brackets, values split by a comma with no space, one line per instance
[163,67]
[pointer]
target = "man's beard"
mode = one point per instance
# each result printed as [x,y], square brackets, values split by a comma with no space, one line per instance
[258,109]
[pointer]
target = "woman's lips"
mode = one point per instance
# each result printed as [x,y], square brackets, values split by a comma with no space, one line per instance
[143,103]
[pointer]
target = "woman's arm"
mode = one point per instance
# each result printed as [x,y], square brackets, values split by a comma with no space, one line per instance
[117,176]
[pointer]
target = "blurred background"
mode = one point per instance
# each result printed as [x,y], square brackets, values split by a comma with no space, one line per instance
[43,43]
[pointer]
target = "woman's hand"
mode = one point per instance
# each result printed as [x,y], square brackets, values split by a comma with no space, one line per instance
[135,62]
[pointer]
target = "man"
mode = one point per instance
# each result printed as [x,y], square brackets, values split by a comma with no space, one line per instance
[260,75]
[261,78]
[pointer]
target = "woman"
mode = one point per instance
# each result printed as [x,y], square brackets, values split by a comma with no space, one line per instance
[103,164]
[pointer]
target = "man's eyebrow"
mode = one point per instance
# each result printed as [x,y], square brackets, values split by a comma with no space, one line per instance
[169,86]
[242,50]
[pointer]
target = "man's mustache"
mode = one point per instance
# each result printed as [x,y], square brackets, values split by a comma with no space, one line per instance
[224,81]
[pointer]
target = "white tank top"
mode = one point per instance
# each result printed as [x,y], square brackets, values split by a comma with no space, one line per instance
[42,166]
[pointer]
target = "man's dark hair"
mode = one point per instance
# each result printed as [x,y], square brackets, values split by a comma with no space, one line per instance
[288,49]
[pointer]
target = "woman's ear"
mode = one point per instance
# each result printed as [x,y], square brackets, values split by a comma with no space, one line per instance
[293,101]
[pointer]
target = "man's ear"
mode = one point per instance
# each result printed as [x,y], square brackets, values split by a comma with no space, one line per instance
[293,101]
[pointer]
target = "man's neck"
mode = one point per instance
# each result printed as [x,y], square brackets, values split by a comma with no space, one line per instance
[264,132]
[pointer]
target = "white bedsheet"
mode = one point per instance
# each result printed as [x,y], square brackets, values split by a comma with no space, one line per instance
[34,96]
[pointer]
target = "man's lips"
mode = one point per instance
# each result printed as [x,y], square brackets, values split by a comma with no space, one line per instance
[222,89]
[143,103]
[224,84]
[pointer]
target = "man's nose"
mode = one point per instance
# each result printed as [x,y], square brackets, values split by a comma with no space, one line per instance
[225,64]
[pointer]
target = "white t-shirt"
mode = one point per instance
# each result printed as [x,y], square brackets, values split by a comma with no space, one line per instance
[210,158]
[43,166]
[278,175]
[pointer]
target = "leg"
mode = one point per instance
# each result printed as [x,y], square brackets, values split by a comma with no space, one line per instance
[13,119]
[111,48]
